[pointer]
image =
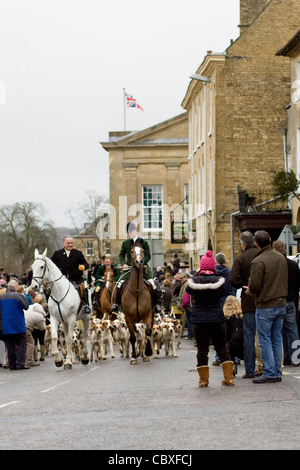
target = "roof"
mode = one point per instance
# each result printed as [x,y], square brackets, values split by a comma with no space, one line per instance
[290,46]
[152,136]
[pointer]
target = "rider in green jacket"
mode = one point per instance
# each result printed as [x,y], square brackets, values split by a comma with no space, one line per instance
[125,261]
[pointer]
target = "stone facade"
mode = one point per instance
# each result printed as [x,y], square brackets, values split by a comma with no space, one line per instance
[292,50]
[148,168]
[236,122]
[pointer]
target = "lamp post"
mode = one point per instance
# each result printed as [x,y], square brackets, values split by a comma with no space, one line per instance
[201,78]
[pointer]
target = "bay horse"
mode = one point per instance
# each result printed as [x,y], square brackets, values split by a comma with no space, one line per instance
[65,307]
[136,301]
[107,295]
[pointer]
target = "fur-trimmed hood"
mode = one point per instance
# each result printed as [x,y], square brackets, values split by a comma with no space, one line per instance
[206,282]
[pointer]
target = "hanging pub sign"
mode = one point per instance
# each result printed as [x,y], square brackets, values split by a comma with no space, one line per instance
[179,232]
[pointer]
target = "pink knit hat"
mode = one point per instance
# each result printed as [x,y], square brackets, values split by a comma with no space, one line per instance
[207,261]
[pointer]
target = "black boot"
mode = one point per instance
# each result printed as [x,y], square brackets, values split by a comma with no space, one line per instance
[86,308]
[156,305]
[115,306]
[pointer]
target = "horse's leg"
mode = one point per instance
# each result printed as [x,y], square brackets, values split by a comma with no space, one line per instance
[132,339]
[149,322]
[84,354]
[68,330]
[54,338]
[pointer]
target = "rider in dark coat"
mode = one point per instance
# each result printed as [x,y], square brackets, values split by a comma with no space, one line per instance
[72,264]
[125,261]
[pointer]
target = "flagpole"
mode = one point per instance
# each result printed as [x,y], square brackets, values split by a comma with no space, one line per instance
[124,109]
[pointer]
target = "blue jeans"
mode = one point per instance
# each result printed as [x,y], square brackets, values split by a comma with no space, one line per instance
[249,327]
[289,331]
[269,323]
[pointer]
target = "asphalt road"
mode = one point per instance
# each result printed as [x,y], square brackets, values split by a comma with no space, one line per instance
[112,405]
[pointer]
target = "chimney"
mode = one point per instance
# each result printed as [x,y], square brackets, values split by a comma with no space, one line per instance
[249,10]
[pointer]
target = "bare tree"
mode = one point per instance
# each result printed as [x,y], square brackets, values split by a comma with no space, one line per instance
[23,228]
[88,214]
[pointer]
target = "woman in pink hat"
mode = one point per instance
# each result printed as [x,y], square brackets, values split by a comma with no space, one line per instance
[207,317]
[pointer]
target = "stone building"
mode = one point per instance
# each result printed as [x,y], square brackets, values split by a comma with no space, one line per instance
[149,186]
[236,117]
[292,50]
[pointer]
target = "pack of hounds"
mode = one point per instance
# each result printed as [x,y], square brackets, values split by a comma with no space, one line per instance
[105,333]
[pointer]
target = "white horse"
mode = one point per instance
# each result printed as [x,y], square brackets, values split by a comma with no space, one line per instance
[64,307]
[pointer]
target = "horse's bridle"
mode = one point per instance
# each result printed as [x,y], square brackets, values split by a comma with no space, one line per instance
[35,278]
[51,284]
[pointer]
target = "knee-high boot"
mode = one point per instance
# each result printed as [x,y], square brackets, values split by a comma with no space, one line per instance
[115,306]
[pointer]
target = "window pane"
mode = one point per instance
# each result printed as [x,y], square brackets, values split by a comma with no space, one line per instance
[152,206]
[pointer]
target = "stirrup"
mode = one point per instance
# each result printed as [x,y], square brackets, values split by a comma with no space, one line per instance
[114,308]
[157,308]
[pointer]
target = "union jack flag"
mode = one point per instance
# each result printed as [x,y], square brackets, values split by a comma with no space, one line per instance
[131,101]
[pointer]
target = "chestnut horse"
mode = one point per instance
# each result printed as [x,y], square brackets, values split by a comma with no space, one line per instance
[107,295]
[136,301]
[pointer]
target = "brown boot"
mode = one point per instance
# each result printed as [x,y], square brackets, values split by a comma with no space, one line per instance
[227,367]
[203,372]
[42,356]
[35,353]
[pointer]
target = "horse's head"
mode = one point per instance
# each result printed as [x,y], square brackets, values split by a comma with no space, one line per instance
[109,278]
[39,270]
[137,255]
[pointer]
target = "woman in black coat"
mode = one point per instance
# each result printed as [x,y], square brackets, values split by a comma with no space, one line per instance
[208,320]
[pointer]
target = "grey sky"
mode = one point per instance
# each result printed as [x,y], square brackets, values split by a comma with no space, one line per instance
[64,64]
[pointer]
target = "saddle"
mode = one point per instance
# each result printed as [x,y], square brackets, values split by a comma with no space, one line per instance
[146,283]
[79,289]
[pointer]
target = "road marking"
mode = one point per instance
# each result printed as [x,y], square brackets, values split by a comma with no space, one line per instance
[55,386]
[88,371]
[10,403]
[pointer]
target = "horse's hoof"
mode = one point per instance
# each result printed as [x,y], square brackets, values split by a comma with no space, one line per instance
[133,361]
[67,366]
[84,361]
[59,364]
[146,359]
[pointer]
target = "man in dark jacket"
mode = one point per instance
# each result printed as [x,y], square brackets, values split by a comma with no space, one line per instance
[290,328]
[72,264]
[12,305]
[269,281]
[239,276]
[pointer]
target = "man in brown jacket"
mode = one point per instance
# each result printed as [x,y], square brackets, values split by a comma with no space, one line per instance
[269,281]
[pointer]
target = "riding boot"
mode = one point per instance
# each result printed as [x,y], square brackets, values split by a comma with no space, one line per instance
[96,297]
[156,306]
[86,308]
[115,306]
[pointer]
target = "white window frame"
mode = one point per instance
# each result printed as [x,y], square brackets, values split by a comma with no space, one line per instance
[155,208]
[90,249]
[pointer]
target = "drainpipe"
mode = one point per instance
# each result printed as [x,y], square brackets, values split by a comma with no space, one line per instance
[231,232]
